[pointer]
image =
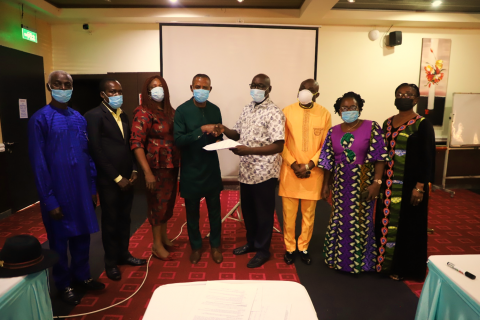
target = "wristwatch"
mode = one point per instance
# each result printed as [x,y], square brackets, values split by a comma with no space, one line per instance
[379,181]
[307,167]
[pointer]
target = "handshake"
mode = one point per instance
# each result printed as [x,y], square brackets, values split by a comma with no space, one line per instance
[218,129]
[214,129]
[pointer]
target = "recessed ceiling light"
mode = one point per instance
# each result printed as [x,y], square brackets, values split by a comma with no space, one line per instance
[436,3]
[173,1]
[351,0]
[240,0]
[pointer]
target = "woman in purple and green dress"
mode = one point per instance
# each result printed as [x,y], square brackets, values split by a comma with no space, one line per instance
[355,152]
[401,217]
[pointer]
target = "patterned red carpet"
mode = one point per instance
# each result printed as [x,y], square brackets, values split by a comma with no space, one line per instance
[456,222]
[181,270]
[25,221]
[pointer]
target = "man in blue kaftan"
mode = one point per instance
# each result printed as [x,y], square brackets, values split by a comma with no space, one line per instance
[65,179]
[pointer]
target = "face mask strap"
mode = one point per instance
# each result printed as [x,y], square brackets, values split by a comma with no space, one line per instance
[105,95]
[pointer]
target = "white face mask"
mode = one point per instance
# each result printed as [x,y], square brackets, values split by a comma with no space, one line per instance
[305,97]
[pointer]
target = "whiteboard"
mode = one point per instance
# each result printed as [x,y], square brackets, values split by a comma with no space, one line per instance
[465,128]
[231,56]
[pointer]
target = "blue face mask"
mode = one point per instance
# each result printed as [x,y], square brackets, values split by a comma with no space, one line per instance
[201,95]
[350,116]
[257,95]
[62,96]
[115,101]
[157,94]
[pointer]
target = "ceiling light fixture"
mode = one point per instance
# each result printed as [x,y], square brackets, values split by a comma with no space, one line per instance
[173,1]
[240,0]
[436,3]
[351,0]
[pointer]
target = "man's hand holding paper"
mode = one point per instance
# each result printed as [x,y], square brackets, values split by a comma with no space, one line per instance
[225,144]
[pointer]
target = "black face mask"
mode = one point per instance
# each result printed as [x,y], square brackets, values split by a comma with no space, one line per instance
[404,104]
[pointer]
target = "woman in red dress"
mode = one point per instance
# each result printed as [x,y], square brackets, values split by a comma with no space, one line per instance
[153,145]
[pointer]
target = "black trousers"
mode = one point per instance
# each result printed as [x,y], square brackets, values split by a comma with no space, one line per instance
[258,208]
[116,206]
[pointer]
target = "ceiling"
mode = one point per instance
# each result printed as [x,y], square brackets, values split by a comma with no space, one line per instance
[464,14]
[464,6]
[259,4]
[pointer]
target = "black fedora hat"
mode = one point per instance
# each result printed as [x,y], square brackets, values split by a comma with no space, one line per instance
[23,255]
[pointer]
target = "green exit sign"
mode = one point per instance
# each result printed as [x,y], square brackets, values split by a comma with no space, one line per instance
[29,35]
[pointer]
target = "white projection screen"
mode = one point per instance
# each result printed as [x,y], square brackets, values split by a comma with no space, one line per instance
[231,56]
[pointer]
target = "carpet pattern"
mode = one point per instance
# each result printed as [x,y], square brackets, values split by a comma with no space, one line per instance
[25,221]
[456,222]
[181,270]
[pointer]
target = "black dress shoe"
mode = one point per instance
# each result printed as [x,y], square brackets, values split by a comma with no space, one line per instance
[91,284]
[289,257]
[113,273]
[69,296]
[257,261]
[133,261]
[305,256]
[242,250]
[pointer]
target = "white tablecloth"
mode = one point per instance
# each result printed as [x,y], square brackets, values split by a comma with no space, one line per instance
[448,294]
[465,262]
[25,297]
[174,301]
[6,284]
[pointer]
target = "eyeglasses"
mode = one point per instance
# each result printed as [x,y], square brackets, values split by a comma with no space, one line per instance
[258,86]
[405,95]
[351,108]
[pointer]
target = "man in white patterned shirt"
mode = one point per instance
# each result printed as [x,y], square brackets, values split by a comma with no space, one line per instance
[261,131]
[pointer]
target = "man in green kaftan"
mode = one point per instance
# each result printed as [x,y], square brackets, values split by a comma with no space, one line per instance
[200,169]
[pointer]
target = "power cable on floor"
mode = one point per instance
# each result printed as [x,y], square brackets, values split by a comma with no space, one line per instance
[141,285]
[113,305]
[126,299]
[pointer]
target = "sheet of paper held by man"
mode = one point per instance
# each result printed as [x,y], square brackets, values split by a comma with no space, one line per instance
[223,301]
[225,144]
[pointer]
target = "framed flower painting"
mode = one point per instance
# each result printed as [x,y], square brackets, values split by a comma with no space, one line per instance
[434,70]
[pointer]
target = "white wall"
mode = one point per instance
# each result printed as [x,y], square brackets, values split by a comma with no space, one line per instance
[106,48]
[349,61]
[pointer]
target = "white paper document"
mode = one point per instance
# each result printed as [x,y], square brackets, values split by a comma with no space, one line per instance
[257,303]
[225,144]
[224,301]
[273,311]
[22,104]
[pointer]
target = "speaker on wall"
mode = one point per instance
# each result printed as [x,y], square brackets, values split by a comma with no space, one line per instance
[394,38]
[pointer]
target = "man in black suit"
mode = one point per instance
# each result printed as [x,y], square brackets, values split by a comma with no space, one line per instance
[109,142]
